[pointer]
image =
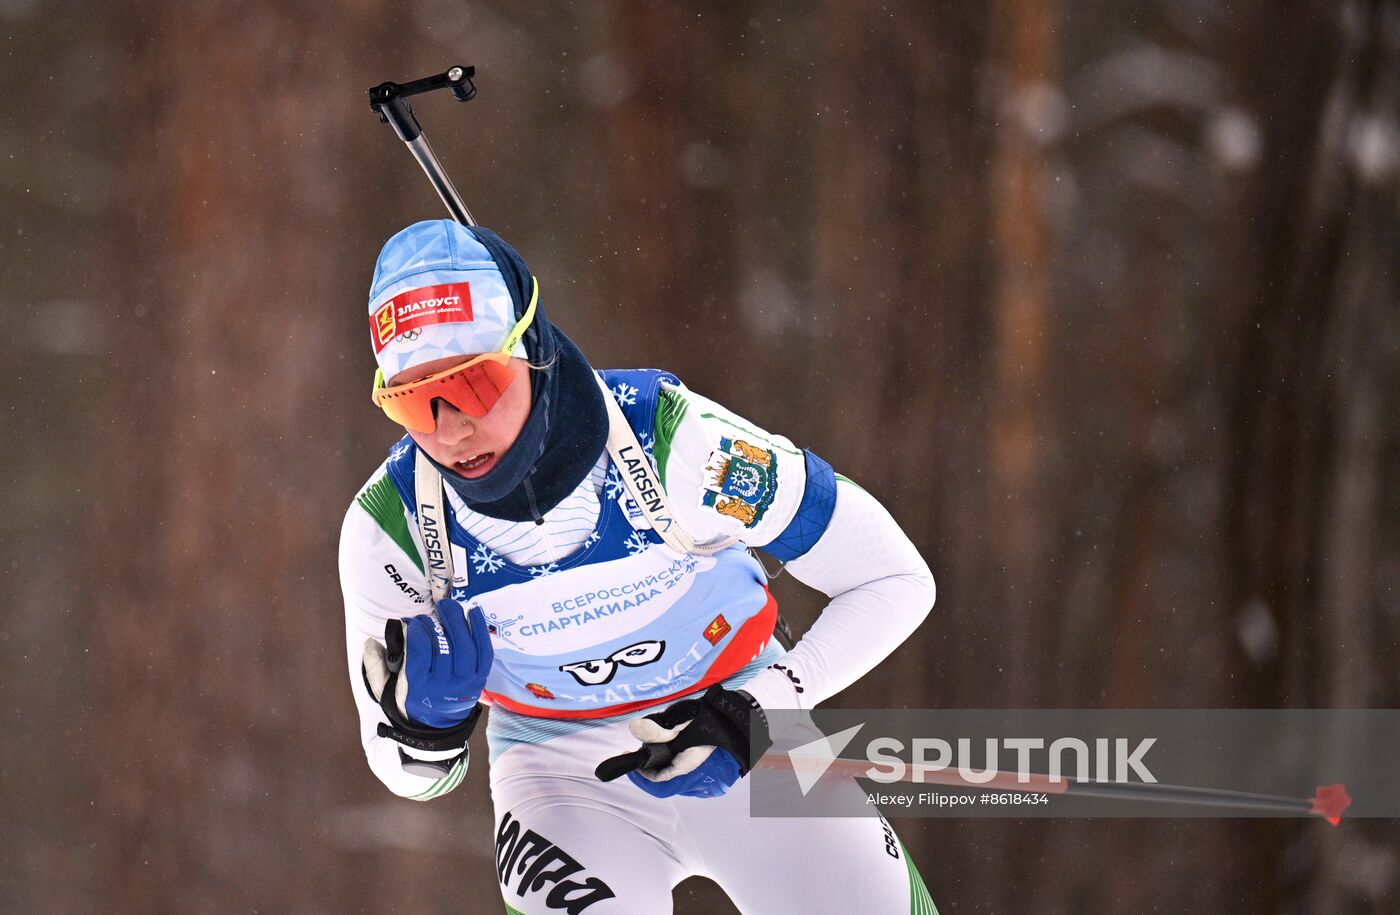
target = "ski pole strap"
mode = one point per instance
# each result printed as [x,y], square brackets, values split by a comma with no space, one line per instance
[645,487]
[432,527]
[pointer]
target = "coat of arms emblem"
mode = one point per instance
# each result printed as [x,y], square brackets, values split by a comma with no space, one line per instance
[740,480]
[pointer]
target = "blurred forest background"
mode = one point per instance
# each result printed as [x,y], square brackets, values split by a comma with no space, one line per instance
[1100,297]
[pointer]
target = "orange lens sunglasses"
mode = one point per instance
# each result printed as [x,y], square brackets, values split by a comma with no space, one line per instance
[472,387]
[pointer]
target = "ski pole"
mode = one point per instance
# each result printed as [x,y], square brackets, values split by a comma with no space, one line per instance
[390,102]
[1328,802]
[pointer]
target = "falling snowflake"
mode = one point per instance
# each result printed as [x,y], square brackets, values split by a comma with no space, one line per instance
[485,561]
[397,451]
[593,538]
[542,571]
[637,543]
[625,394]
[613,483]
[459,594]
[647,442]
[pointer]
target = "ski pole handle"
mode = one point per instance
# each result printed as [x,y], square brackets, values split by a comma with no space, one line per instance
[648,756]
[390,102]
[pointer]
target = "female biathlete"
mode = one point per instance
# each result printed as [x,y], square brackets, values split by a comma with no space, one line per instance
[571,547]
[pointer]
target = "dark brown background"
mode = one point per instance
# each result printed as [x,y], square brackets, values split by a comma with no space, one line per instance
[1099,297]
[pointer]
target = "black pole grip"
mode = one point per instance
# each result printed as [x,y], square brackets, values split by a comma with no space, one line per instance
[390,100]
[394,109]
[648,756]
[393,645]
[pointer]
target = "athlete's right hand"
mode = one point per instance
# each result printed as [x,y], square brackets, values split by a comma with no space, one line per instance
[430,670]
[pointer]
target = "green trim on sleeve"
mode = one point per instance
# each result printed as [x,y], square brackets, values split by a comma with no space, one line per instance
[751,430]
[670,410]
[842,476]
[920,902]
[441,786]
[381,501]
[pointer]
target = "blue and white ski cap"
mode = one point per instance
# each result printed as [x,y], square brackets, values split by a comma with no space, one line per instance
[437,292]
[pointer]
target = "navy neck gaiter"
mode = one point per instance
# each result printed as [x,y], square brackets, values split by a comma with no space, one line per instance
[567,429]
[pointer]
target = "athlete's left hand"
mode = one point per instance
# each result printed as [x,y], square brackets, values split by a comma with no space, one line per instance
[696,747]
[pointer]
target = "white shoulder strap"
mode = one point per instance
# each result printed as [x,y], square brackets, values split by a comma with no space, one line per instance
[637,475]
[643,485]
[432,526]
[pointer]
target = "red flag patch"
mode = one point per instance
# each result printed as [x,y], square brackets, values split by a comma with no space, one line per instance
[718,629]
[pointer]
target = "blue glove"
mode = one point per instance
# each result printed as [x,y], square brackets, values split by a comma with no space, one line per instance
[445,664]
[428,675]
[712,778]
[696,747]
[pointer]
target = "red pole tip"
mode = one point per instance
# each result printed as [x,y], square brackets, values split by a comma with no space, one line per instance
[1330,801]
